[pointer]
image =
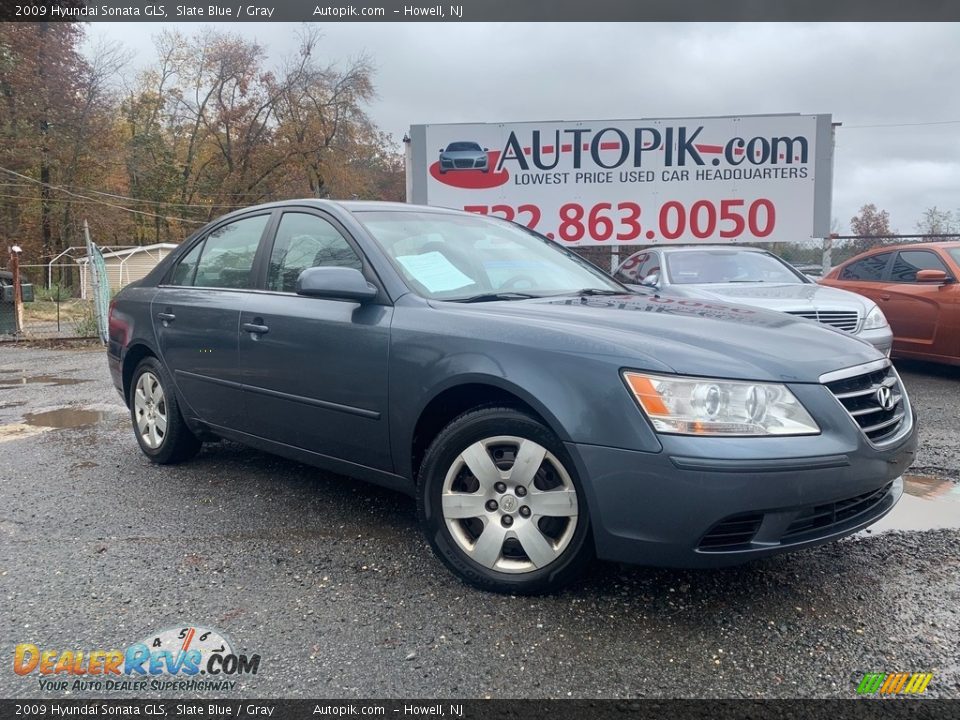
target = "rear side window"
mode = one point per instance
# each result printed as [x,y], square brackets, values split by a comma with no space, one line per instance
[228,252]
[187,267]
[908,262]
[305,241]
[869,269]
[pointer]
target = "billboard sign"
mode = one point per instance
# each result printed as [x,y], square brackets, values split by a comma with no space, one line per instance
[752,178]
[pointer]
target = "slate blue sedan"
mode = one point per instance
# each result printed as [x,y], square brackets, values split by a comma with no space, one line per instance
[542,414]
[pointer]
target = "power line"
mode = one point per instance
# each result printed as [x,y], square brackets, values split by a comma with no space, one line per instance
[102,202]
[896,125]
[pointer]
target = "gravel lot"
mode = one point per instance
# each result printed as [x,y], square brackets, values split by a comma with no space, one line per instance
[330,581]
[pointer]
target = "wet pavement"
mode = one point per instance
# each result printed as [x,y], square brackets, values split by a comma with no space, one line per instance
[927,503]
[331,582]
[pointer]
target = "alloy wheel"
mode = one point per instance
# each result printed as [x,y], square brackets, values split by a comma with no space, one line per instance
[509,504]
[150,408]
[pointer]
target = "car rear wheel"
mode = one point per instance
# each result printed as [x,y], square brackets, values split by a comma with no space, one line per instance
[501,504]
[161,432]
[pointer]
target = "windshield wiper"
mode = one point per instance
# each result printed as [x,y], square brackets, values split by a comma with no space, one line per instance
[600,291]
[490,297]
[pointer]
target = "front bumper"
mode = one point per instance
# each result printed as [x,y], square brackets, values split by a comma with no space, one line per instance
[694,506]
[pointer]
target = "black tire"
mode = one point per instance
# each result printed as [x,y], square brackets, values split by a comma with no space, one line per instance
[177,443]
[444,456]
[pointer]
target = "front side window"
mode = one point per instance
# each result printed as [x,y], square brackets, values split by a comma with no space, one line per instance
[305,241]
[908,262]
[869,269]
[462,257]
[228,252]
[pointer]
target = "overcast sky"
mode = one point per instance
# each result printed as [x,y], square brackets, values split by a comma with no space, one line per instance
[863,74]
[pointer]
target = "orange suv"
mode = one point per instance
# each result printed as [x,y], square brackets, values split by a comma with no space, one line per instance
[916,287]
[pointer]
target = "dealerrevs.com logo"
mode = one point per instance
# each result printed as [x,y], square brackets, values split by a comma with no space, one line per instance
[188,658]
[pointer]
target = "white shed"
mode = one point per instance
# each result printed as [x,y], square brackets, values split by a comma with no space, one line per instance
[125,266]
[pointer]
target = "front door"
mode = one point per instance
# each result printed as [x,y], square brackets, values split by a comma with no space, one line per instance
[315,370]
[914,309]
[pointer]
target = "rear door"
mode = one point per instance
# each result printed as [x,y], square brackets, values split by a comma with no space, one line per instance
[865,276]
[315,370]
[196,315]
[916,311]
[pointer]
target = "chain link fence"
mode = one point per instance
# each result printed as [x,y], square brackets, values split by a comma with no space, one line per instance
[53,307]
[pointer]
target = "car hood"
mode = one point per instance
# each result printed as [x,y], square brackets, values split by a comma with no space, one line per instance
[777,296]
[682,335]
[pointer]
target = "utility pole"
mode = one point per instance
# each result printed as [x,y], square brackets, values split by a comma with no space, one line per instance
[826,260]
[17,300]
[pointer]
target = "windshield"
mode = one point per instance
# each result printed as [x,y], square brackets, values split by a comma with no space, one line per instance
[955,254]
[459,257]
[460,146]
[695,267]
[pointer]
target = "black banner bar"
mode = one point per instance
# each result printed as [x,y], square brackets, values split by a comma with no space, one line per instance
[864,709]
[205,11]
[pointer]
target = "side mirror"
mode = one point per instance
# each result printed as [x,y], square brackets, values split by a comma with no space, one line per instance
[651,280]
[486,149]
[335,283]
[441,151]
[933,277]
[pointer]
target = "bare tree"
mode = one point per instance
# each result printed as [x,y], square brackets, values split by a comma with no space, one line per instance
[937,222]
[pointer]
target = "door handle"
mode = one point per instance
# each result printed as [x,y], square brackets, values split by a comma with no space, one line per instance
[166,316]
[255,329]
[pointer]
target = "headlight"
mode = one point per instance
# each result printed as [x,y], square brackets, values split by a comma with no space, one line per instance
[875,319]
[702,406]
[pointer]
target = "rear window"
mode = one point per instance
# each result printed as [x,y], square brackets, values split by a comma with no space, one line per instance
[955,254]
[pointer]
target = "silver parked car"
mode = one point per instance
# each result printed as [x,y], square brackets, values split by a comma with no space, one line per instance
[463,155]
[751,276]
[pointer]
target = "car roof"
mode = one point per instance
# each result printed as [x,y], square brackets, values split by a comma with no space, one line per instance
[930,245]
[949,244]
[335,206]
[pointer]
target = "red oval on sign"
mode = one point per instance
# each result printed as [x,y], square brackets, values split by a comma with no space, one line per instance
[472,179]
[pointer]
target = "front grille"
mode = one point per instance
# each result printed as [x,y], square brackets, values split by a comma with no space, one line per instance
[463,163]
[861,396]
[732,533]
[823,517]
[848,320]
[795,525]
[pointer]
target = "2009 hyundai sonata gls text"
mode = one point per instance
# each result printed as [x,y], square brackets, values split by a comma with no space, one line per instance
[541,413]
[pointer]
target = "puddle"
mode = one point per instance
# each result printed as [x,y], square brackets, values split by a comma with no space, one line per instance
[40,379]
[927,503]
[66,418]
[12,403]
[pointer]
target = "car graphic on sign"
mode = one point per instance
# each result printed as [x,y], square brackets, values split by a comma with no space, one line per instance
[463,155]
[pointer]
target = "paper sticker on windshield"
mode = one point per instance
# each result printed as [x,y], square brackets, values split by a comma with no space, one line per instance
[434,271]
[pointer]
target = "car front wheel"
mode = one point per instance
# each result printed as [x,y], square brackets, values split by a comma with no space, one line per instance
[162,434]
[501,504]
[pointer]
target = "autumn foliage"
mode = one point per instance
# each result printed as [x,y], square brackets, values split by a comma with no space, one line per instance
[147,157]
